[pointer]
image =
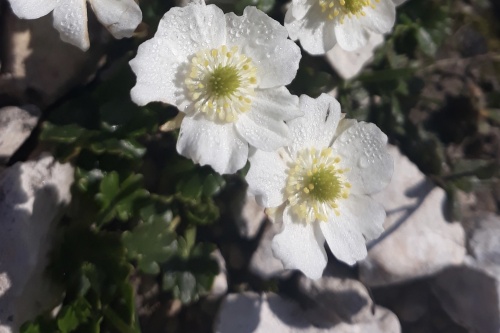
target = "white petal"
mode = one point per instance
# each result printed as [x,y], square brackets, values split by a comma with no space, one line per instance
[363,149]
[317,127]
[209,143]
[156,68]
[262,131]
[293,25]
[266,177]
[359,215]
[300,246]
[192,28]
[316,35]
[32,9]
[266,42]
[343,125]
[381,19]
[263,125]
[299,8]
[70,19]
[120,17]
[277,103]
[365,213]
[351,35]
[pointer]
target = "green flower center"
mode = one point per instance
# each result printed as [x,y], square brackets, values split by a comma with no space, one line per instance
[223,81]
[315,184]
[324,184]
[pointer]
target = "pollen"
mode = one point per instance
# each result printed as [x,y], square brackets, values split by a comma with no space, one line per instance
[316,184]
[340,9]
[221,83]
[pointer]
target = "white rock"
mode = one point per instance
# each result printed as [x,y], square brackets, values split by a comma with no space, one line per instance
[251,218]
[484,243]
[349,64]
[418,240]
[219,286]
[253,313]
[332,300]
[470,293]
[16,125]
[37,60]
[31,197]
[263,262]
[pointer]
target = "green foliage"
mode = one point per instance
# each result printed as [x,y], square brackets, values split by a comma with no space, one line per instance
[192,271]
[118,199]
[124,218]
[151,243]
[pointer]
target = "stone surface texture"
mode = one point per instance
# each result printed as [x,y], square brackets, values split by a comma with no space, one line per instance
[32,195]
[38,67]
[251,218]
[250,312]
[263,262]
[470,293]
[418,240]
[16,125]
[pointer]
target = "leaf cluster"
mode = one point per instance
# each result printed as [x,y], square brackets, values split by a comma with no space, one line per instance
[135,209]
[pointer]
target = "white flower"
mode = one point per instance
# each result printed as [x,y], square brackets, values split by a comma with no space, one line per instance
[226,73]
[348,63]
[320,24]
[321,185]
[120,17]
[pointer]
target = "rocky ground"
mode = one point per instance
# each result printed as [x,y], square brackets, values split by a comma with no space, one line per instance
[435,269]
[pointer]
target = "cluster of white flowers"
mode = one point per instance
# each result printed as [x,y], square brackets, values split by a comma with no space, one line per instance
[312,169]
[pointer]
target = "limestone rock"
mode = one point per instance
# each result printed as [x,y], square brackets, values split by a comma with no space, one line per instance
[219,286]
[250,312]
[16,125]
[251,219]
[418,240]
[31,197]
[470,293]
[38,66]
[263,262]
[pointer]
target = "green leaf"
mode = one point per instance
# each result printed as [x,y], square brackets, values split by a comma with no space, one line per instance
[192,187]
[62,134]
[117,200]
[73,315]
[212,184]
[127,147]
[150,243]
[190,277]
[425,42]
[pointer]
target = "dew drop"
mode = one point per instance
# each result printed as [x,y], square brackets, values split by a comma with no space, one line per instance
[363,162]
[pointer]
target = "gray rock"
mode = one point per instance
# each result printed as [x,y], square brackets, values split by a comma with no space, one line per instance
[263,262]
[32,195]
[219,286]
[484,242]
[250,312]
[333,300]
[418,240]
[16,125]
[251,218]
[470,293]
[36,59]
